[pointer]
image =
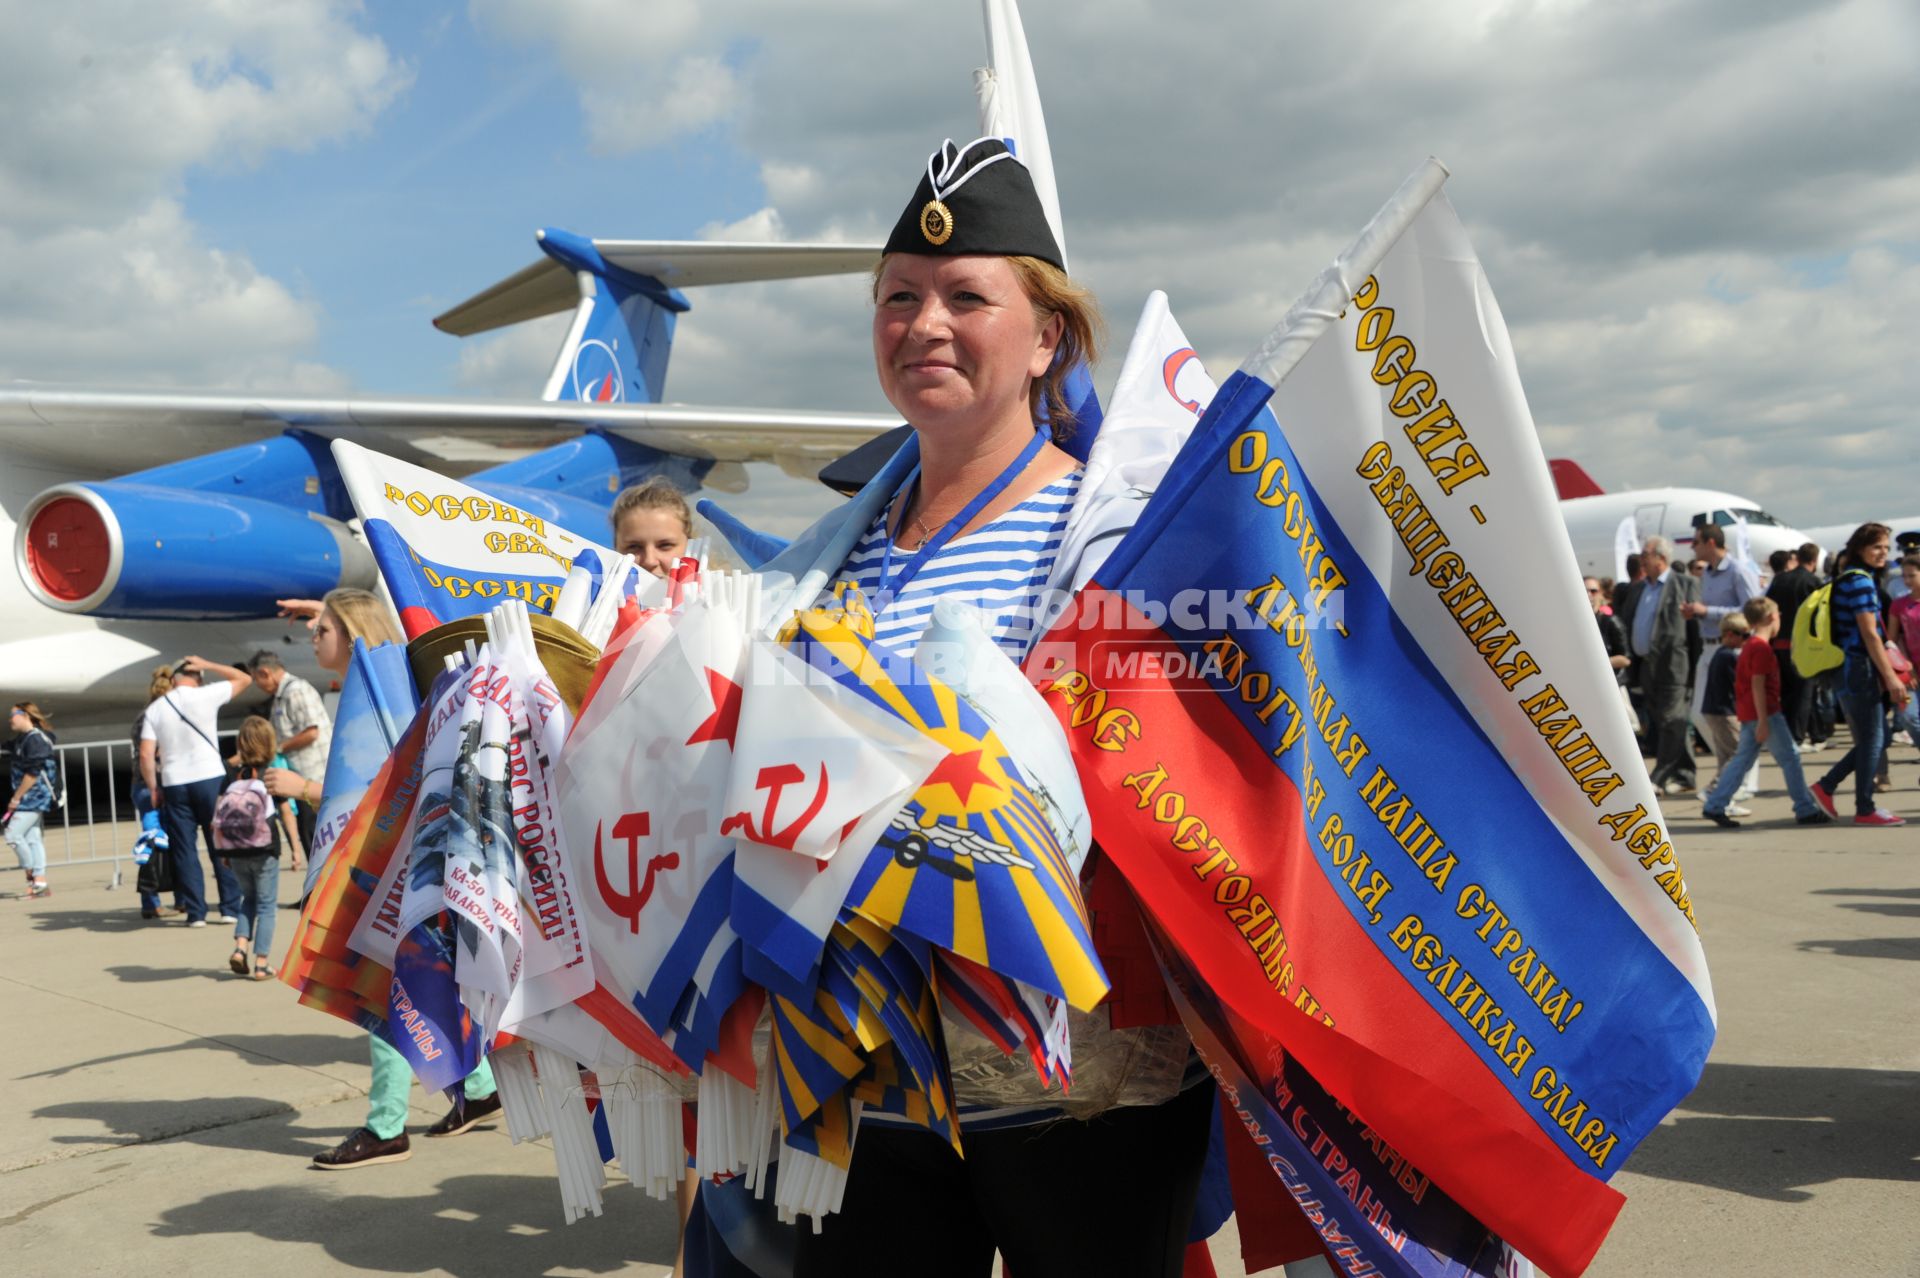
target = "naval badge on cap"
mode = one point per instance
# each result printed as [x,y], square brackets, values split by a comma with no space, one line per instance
[975,199]
[936,222]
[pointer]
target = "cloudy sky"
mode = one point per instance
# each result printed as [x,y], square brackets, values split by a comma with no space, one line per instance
[1702,219]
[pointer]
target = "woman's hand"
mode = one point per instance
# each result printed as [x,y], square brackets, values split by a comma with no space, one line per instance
[307,610]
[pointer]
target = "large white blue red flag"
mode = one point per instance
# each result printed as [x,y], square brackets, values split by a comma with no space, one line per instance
[1346,727]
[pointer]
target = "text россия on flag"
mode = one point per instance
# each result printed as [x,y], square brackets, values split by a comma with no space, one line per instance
[1384,804]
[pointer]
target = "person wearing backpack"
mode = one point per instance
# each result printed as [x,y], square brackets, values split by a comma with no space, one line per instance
[182,766]
[1867,679]
[248,826]
[35,778]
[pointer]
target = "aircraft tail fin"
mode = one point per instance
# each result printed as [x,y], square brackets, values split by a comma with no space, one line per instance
[622,333]
[1571,480]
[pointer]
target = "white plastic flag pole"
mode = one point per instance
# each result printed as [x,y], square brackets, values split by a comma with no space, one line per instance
[575,1150]
[766,1111]
[520,1098]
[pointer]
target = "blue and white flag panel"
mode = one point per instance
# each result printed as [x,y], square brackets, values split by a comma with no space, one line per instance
[1409,422]
[377,702]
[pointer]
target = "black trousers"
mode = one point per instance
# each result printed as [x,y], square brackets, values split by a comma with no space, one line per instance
[1666,718]
[1112,1196]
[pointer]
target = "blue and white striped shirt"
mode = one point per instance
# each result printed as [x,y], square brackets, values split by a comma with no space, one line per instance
[1000,569]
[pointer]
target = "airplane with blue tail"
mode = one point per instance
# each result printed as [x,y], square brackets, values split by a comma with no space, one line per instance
[134,544]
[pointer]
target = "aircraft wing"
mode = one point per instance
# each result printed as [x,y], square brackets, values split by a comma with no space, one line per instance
[113,432]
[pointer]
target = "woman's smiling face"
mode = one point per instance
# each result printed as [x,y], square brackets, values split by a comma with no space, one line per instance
[955,340]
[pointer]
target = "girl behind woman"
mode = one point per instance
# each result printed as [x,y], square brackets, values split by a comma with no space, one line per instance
[651,522]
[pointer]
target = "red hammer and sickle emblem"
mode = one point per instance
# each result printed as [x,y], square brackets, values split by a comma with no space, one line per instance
[774,780]
[627,905]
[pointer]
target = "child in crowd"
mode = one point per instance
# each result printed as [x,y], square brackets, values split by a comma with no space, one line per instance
[1717,721]
[1756,685]
[653,523]
[255,862]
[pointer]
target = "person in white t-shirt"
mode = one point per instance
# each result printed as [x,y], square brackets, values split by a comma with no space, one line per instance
[182,765]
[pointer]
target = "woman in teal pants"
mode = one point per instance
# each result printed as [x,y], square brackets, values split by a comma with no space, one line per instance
[346,615]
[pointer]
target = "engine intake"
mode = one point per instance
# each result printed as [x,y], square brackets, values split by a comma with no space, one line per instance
[130,550]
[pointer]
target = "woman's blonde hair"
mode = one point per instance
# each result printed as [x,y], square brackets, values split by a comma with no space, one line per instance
[33,712]
[657,493]
[161,683]
[1051,292]
[362,615]
[255,744]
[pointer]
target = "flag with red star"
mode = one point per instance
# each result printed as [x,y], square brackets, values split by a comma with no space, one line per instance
[971,863]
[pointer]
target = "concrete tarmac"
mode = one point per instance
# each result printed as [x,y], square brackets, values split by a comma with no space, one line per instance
[159,1113]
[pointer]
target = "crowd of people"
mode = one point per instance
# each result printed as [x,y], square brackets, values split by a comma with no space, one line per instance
[975,327]
[1705,656]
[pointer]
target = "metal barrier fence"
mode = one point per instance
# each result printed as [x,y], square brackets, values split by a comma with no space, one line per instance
[97,823]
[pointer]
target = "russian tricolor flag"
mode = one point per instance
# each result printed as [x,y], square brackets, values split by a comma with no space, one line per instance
[1347,729]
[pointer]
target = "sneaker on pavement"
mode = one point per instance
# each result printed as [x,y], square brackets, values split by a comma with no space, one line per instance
[1738,810]
[1815,817]
[224,917]
[196,922]
[1676,787]
[1880,817]
[363,1149]
[1722,820]
[1824,797]
[466,1116]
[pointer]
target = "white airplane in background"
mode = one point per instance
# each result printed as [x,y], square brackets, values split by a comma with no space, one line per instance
[1593,517]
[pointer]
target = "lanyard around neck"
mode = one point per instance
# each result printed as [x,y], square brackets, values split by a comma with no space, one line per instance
[893,586]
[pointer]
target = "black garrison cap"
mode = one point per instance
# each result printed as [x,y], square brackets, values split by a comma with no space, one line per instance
[976,199]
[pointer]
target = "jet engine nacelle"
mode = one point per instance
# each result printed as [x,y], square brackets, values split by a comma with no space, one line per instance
[126,549]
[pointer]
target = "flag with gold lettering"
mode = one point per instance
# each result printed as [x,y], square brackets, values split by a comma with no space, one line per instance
[1345,727]
[446,549]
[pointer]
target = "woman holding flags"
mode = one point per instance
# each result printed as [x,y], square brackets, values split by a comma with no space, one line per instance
[336,622]
[976,327]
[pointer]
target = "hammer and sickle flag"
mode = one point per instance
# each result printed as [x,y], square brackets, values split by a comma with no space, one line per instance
[639,789]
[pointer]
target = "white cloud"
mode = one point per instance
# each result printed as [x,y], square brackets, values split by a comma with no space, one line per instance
[646,74]
[111,101]
[513,363]
[108,106]
[762,226]
[145,301]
